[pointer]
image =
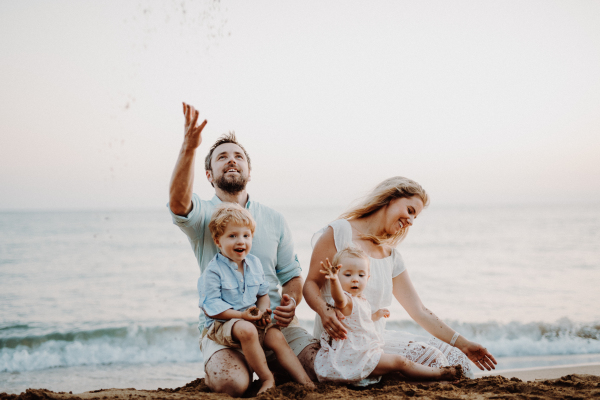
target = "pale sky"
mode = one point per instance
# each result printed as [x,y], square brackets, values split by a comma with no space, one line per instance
[480,102]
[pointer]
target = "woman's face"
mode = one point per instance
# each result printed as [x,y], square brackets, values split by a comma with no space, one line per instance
[401,213]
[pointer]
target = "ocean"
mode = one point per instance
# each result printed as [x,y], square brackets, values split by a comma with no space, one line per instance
[102,299]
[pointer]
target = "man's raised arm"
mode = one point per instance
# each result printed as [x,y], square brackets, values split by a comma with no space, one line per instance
[182,180]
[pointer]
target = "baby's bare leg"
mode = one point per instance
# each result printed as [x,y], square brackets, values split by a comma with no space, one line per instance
[246,334]
[396,363]
[275,341]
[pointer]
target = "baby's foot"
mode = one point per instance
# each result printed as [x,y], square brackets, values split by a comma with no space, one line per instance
[266,385]
[452,373]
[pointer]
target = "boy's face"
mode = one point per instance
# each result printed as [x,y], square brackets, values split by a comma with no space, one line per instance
[354,274]
[236,242]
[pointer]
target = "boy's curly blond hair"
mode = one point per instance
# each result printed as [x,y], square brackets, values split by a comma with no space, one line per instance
[227,213]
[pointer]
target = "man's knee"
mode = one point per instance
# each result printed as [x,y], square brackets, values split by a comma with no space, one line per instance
[226,372]
[232,387]
[307,359]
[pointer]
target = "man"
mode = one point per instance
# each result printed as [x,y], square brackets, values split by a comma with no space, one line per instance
[228,170]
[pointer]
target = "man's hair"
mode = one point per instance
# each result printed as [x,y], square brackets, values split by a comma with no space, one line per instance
[226,138]
[227,213]
[350,251]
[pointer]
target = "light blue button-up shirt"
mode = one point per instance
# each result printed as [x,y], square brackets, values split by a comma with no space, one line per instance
[272,242]
[222,287]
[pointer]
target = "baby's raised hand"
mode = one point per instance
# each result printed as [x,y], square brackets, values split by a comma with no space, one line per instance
[252,314]
[329,270]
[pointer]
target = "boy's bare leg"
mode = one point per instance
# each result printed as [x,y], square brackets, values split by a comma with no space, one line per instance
[246,334]
[226,372]
[396,363]
[275,341]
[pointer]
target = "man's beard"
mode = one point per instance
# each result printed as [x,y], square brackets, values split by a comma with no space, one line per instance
[233,185]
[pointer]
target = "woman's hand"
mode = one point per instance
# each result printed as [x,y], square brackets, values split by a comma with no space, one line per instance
[482,358]
[252,314]
[331,318]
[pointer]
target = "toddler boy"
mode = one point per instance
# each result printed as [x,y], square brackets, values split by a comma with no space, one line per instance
[234,298]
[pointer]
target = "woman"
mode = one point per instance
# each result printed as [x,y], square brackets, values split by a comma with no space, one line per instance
[377,225]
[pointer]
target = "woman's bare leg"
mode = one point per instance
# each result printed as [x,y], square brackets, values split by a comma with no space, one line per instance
[396,363]
[275,341]
[246,334]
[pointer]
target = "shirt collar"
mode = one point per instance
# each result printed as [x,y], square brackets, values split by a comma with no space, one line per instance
[216,201]
[228,262]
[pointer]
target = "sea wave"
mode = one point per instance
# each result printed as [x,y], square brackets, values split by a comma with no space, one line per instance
[135,344]
[125,345]
[516,339]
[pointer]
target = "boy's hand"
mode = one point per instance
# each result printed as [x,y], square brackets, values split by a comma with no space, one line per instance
[329,270]
[265,319]
[381,313]
[252,314]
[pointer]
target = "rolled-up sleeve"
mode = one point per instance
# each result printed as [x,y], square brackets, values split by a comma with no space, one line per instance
[210,294]
[288,266]
[192,223]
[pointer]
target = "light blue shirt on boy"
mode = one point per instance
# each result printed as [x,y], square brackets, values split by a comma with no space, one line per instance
[271,243]
[222,287]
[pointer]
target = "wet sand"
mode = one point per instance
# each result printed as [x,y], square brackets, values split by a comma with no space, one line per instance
[568,382]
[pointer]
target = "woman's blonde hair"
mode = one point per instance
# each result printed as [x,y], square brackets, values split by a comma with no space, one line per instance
[227,213]
[392,188]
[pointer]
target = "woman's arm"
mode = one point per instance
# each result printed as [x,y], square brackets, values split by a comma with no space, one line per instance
[325,248]
[405,293]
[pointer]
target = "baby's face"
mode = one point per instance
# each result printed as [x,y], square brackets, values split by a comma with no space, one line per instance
[354,274]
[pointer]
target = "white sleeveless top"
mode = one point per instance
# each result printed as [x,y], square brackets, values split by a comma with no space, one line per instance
[379,287]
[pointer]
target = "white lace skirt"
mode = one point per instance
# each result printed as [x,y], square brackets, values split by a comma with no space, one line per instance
[430,352]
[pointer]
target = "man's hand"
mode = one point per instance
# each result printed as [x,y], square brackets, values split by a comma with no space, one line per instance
[329,270]
[284,313]
[192,132]
[252,314]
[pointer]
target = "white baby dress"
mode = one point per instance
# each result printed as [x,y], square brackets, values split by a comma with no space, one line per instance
[351,360]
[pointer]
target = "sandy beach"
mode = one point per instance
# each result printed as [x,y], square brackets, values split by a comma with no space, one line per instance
[565,382]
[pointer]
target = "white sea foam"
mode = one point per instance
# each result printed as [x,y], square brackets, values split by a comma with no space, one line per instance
[157,345]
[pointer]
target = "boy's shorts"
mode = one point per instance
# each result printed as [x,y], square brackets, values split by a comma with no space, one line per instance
[296,336]
[222,333]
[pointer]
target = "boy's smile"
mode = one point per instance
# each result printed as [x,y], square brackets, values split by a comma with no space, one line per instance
[235,243]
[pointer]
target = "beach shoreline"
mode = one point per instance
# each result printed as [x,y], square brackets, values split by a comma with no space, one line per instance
[568,381]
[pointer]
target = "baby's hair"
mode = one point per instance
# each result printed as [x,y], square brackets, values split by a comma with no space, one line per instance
[350,251]
[227,213]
